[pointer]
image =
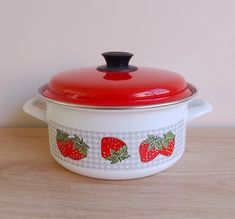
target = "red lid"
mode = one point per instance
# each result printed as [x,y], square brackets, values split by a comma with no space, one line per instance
[117,84]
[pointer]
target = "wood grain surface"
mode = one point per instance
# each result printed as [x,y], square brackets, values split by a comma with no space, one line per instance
[200,185]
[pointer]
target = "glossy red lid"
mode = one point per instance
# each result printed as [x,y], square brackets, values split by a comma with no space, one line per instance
[117,84]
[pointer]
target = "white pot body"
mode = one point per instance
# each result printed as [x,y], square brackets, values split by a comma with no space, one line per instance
[130,126]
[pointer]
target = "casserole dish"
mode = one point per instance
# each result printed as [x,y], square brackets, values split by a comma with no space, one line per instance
[117,121]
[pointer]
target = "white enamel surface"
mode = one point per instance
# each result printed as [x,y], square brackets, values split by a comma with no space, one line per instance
[118,175]
[198,108]
[31,108]
[119,121]
[115,120]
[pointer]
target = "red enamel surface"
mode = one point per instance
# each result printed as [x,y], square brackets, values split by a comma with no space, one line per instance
[89,86]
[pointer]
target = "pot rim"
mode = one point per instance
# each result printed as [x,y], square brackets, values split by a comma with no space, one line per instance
[192,87]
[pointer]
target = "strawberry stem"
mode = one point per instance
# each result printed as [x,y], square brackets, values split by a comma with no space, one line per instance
[158,142]
[119,155]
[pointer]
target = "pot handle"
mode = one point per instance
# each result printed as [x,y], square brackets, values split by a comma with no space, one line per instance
[36,107]
[198,108]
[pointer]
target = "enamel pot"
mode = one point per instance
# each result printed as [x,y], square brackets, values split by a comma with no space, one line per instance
[117,121]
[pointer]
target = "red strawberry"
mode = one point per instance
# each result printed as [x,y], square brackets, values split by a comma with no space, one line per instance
[62,141]
[63,146]
[149,148]
[113,149]
[73,147]
[168,144]
[78,149]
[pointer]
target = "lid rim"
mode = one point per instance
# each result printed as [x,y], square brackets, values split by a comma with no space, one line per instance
[74,105]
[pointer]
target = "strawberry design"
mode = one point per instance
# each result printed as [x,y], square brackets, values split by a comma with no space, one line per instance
[63,146]
[168,144]
[113,149]
[151,147]
[72,147]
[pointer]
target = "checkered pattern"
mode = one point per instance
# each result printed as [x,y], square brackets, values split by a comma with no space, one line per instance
[94,159]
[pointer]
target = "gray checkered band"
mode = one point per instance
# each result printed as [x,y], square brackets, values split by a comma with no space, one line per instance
[94,159]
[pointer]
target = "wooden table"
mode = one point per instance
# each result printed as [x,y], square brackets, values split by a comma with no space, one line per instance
[200,185]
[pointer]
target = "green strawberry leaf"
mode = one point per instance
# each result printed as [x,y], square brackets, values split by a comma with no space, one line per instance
[76,146]
[77,139]
[156,143]
[151,136]
[169,135]
[120,151]
[165,142]
[146,141]
[109,158]
[119,155]
[151,146]
[83,151]
[115,160]
[159,144]
[125,149]
[123,157]
[61,136]
[84,145]
[167,138]
[114,153]
[80,145]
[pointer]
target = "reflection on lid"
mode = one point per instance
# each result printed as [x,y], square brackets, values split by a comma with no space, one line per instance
[153,92]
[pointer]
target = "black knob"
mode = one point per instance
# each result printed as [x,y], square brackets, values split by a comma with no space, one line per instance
[117,62]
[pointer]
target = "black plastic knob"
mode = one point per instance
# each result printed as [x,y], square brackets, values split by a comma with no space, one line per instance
[117,62]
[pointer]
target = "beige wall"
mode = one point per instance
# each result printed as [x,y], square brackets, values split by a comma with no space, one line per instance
[41,37]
